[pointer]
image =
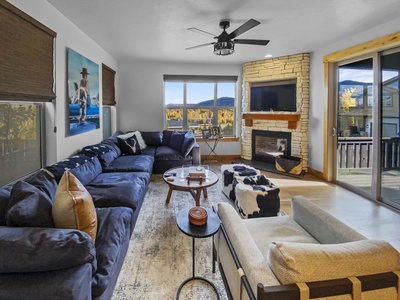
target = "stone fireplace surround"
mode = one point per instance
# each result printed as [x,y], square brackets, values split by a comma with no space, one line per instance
[286,67]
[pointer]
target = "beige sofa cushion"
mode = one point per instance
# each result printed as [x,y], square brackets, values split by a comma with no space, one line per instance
[300,262]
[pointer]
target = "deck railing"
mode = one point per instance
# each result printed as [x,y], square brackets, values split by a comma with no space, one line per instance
[356,153]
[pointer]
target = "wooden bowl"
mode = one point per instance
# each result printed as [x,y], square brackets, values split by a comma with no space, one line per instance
[198,216]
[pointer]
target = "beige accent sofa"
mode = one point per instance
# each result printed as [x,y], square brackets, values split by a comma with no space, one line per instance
[310,246]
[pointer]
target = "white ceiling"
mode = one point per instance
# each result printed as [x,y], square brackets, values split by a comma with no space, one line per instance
[157,29]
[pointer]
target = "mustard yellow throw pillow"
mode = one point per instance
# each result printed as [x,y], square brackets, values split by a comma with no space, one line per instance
[73,206]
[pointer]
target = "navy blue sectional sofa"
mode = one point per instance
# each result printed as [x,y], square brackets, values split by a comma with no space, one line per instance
[38,261]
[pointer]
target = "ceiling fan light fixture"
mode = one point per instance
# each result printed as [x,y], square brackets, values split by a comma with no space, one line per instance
[224,48]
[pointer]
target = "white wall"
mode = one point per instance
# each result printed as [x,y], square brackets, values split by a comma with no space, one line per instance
[141,95]
[59,145]
[317,92]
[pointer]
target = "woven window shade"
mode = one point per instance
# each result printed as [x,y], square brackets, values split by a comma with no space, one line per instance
[27,57]
[108,80]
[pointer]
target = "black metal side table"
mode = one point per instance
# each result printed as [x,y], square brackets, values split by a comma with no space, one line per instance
[209,229]
[212,143]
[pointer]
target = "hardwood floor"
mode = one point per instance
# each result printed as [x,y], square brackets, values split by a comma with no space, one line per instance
[371,219]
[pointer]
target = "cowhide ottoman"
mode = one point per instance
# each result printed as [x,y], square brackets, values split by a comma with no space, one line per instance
[229,172]
[256,196]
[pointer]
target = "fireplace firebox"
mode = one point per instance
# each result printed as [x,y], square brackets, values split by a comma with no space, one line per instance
[267,145]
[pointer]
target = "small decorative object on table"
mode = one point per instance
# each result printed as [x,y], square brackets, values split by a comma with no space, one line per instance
[198,216]
[196,177]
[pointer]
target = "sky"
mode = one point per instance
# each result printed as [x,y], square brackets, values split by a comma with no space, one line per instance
[362,75]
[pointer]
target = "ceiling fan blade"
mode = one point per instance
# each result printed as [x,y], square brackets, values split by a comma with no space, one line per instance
[199,46]
[243,28]
[251,42]
[194,29]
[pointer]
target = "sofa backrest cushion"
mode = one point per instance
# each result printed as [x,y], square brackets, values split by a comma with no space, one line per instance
[44,181]
[88,171]
[187,143]
[28,207]
[303,262]
[166,137]
[321,225]
[58,169]
[177,140]
[95,150]
[73,206]
[5,193]
[152,138]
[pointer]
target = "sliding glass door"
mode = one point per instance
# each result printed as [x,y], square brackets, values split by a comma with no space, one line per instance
[390,121]
[367,131]
[354,134]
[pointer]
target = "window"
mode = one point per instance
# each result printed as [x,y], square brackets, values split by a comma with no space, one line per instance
[20,140]
[200,102]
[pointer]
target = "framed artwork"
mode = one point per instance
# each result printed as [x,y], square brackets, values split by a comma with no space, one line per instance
[206,133]
[83,93]
[215,131]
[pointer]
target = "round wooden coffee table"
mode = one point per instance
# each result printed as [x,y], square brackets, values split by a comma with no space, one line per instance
[193,187]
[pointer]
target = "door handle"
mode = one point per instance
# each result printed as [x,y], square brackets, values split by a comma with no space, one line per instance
[333,131]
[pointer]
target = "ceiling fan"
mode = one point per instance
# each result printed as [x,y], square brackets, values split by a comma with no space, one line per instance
[225,43]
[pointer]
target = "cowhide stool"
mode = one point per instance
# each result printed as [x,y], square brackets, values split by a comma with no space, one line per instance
[229,172]
[256,196]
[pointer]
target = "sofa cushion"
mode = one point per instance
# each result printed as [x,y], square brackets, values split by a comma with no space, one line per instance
[114,223]
[131,163]
[119,189]
[87,171]
[44,181]
[112,143]
[152,138]
[58,169]
[166,153]
[264,231]
[177,140]
[150,151]
[166,137]
[28,207]
[39,250]
[187,143]
[5,193]
[73,206]
[300,262]
[95,150]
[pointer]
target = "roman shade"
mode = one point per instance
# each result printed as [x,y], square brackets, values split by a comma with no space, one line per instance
[108,80]
[27,57]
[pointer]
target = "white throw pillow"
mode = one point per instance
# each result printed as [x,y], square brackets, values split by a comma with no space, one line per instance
[140,139]
[303,262]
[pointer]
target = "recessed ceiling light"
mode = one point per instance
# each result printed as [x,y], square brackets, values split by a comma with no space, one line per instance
[268,55]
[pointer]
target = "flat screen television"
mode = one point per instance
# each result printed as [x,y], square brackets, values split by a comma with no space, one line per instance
[273,96]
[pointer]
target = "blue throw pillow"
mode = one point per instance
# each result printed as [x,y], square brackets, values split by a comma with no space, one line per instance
[188,143]
[129,146]
[166,137]
[176,140]
[29,207]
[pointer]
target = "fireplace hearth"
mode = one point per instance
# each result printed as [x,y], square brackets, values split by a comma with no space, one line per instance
[267,145]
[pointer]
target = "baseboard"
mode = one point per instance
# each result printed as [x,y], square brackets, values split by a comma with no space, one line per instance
[316,173]
[223,158]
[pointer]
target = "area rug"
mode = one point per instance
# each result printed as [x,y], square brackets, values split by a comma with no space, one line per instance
[159,257]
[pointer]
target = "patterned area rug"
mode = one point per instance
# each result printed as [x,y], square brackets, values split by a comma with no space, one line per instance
[159,257]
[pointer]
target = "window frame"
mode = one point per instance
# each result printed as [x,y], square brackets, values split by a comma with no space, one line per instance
[185,79]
